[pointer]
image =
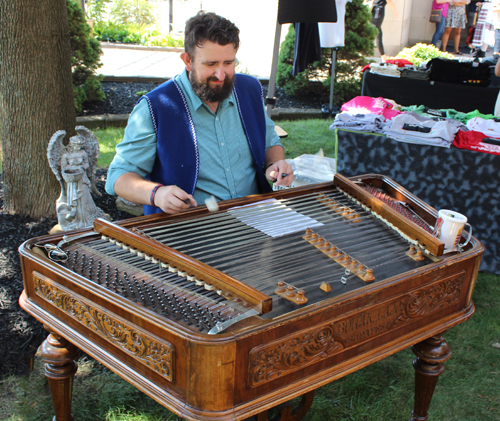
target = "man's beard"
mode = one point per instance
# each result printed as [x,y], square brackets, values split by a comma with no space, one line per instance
[216,94]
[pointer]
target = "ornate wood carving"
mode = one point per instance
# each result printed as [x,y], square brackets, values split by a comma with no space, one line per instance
[151,351]
[309,346]
[282,357]
[426,301]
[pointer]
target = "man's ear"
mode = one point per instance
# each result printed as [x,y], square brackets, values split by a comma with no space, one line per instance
[186,58]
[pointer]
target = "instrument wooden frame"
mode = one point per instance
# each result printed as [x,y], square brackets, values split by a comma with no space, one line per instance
[245,370]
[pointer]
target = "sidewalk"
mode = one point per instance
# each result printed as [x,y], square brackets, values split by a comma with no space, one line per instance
[139,63]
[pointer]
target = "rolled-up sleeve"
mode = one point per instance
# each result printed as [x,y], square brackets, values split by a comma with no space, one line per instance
[137,151]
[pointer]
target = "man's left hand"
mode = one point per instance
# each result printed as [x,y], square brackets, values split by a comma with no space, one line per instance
[280,173]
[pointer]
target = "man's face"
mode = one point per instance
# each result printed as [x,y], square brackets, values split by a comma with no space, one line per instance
[211,70]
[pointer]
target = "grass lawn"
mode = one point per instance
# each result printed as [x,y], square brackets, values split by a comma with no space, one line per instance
[304,137]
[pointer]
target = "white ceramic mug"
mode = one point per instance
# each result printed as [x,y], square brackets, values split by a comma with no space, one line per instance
[448,229]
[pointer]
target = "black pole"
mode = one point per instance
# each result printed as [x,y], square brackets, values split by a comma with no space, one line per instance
[332,77]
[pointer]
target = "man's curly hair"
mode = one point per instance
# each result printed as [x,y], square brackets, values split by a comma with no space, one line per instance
[207,26]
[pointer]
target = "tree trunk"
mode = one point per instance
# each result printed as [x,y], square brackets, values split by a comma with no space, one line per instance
[36,100]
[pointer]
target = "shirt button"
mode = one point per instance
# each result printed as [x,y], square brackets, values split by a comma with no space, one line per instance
[222,144]
[227,169]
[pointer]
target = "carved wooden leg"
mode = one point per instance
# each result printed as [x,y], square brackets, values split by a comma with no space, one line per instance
[428,365]
[60,367]
[288,412]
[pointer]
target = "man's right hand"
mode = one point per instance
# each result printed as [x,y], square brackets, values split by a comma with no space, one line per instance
[172,199]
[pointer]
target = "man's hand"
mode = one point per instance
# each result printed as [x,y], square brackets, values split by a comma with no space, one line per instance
[172,199]
[280,173]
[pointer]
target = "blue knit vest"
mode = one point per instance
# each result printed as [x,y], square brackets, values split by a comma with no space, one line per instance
[177,159]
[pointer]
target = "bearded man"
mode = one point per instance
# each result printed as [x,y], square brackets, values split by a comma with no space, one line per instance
[203,133]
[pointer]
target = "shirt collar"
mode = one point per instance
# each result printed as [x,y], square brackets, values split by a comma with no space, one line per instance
[183,80]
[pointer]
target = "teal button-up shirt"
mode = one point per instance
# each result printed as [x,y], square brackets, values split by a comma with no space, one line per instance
[226,166]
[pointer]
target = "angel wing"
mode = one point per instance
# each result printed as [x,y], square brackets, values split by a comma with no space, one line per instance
[55,151]
[91,146]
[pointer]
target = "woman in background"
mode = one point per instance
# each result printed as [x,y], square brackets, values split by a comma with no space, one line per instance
[443,5]
[378,14]
[456,18]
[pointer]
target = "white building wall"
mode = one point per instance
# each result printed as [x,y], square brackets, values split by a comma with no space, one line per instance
[421,30]
[411,26]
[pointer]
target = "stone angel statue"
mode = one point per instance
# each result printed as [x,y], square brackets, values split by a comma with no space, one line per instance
[74,166]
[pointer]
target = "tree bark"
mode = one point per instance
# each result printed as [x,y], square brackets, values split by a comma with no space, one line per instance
[36,100]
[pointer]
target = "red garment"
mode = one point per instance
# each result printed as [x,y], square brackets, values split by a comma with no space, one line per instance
[401,62]
[473,141]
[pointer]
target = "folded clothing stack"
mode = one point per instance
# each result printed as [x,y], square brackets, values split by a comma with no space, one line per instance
[415,74]
[359,122]
[415,129]
[385,69]
[476,141]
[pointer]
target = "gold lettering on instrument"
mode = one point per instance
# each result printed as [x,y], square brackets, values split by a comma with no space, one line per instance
[309,346]
[153,352]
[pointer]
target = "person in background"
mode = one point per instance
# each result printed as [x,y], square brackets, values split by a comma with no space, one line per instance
[496,113]
[487,29]
[203,133]
[496,25]
[378,15]
[443,5]
[472,10]
[456,19]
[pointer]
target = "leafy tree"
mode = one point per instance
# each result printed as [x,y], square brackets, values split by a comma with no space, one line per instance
[359,42]
[85,55]
[96,9]
[132,12]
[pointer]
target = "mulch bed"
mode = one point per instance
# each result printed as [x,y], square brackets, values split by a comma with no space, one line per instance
[122,96]
[21,334]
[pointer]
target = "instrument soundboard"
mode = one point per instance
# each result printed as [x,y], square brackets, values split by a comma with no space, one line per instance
[264,300]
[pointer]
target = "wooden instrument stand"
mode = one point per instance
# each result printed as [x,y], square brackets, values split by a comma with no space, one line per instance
[60,368]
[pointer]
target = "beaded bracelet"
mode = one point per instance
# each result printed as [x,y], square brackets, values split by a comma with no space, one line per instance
[153,193]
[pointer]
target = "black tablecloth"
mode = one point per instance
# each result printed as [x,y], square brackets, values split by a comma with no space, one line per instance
[406,91]
[456,179]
